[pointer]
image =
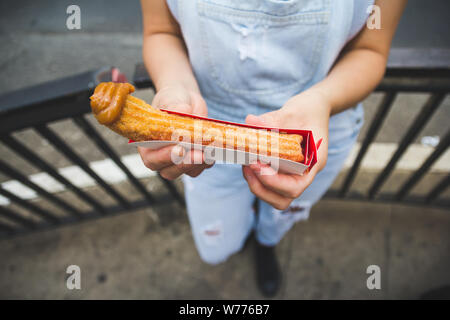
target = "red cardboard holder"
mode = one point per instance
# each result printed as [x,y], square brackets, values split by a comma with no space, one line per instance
[225,155]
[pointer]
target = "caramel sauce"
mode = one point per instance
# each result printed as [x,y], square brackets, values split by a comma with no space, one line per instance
[108,100]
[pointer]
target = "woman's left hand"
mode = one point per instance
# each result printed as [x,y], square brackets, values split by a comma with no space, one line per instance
[309,111]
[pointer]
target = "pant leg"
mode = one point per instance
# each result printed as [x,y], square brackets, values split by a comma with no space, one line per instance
[219,206]
[273,224]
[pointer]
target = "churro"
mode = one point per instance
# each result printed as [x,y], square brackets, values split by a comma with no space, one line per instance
[114,107]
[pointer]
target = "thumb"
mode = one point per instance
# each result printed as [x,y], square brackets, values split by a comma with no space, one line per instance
[265,120]
[174,100]
[179,107]
[163,102]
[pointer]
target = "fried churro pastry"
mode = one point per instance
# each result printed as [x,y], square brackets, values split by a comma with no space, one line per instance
[114,107]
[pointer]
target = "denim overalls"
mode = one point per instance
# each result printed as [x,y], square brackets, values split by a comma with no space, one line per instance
[250,57]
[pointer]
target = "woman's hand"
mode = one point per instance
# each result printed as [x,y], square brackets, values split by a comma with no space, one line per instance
[309,110]
[180,99]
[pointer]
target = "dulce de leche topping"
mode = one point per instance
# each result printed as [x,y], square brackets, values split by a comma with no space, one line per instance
[108,100]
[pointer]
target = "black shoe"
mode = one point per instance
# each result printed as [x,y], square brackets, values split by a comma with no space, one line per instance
[268,273]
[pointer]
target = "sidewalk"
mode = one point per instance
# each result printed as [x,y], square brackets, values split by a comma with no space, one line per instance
[151,255]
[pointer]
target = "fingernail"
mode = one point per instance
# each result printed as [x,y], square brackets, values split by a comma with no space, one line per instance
[255,167]
[267,171]
[177,154]
[178,150]
[247,175]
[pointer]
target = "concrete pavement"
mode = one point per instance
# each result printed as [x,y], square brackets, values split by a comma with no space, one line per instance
[150,254]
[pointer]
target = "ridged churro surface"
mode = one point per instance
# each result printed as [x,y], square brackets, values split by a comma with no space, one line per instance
[131,117]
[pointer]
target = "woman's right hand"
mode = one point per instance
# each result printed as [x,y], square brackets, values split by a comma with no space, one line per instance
[176,98]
